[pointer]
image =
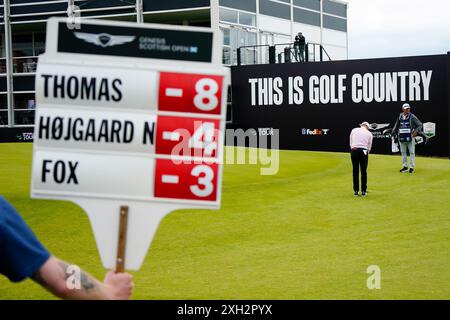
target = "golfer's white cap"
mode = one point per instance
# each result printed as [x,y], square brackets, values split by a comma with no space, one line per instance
[406,106]
[365,123]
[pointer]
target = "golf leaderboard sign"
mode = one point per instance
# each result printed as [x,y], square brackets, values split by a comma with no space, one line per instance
[129,126]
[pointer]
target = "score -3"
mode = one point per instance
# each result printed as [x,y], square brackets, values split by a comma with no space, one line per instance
[194,94]
[187,181]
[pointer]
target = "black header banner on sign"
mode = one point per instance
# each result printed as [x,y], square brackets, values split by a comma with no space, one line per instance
[119,41]
[316,105]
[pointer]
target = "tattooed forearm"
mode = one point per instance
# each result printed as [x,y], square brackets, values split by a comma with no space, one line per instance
[67,281]
[87,283]
[38,278]
[64,267]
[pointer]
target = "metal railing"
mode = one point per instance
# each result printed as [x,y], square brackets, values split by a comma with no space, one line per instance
[281,53]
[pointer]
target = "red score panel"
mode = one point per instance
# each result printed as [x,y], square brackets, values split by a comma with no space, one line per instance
[197,93]
[190,137]
[192,181]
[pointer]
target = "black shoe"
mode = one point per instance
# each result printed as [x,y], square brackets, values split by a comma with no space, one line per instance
[411,170]
[404,169]
[356,194]
[363,194]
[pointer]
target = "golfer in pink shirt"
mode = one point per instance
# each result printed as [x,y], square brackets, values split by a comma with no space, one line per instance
[360,145]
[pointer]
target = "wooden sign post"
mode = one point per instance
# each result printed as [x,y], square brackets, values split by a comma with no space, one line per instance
[122,243]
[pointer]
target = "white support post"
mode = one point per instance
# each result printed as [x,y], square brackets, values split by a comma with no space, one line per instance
[214,14]
[9,63]
[139,11]
[321,23]
[292,21]
[70,8]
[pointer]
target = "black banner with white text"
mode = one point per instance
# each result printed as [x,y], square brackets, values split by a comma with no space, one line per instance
[316,105]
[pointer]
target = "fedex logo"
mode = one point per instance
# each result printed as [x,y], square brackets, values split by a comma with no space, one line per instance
[315,132]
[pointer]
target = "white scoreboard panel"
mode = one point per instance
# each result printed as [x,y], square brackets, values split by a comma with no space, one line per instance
[129,115]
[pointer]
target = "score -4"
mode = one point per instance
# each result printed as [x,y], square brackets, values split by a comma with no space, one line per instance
[180,136]
[195,93]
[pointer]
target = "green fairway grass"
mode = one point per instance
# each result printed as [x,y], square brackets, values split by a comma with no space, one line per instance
[300,234]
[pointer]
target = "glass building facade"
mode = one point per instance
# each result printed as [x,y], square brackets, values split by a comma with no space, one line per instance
[271,22]
[243,23]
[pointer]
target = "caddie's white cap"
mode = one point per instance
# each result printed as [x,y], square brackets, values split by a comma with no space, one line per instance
[406,106]
[365,123]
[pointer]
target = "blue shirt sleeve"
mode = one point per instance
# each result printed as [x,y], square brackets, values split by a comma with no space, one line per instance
[21,253]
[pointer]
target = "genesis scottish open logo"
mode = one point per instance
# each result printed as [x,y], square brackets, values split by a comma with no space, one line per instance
[104,39]
[380,130]
[378,126]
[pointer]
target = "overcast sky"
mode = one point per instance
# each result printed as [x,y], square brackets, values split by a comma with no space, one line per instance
[387,28]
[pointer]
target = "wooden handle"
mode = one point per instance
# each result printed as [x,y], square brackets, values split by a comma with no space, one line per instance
[122,243]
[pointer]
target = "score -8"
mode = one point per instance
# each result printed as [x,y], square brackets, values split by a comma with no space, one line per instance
[206,99]
[193,93]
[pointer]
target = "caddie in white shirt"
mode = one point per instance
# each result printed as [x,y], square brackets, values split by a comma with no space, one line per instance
[406,127]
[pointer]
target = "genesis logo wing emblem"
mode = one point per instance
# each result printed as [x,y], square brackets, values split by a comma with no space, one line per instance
[103,39]
[378,126]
